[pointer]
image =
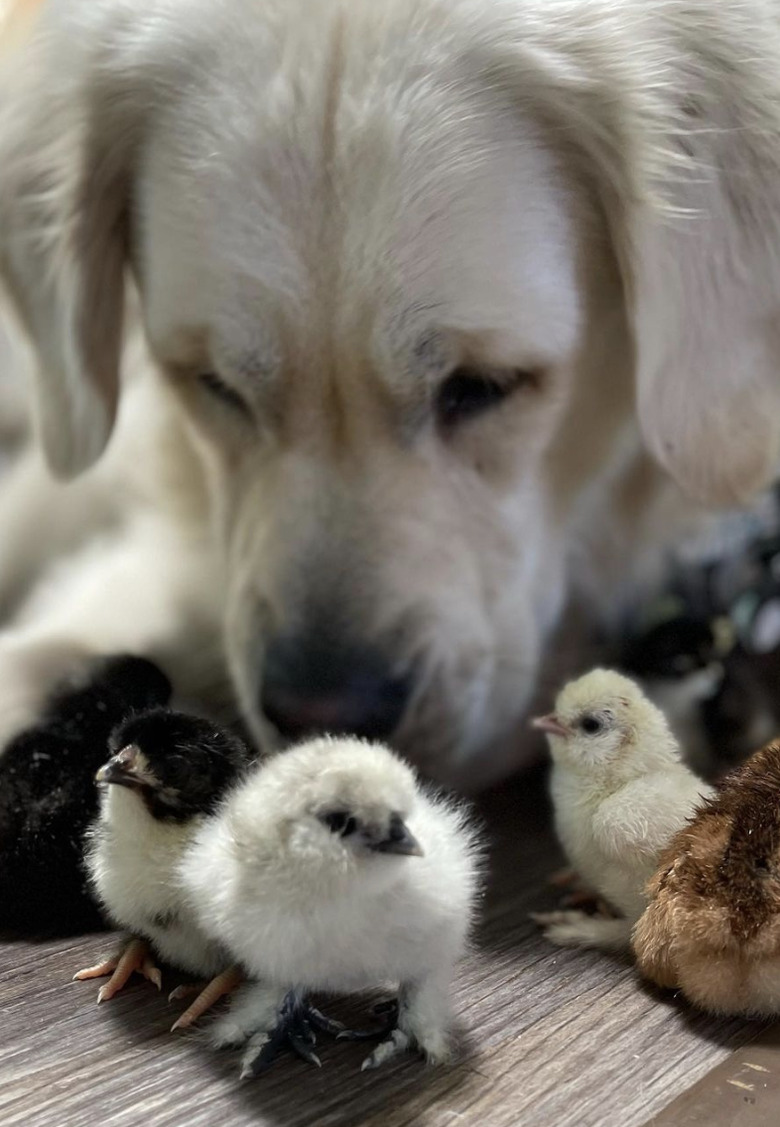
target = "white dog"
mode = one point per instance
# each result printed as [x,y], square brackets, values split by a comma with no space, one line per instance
[408,279]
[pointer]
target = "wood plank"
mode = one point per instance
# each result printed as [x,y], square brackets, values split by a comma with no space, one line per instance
[550,1038]
[743,1091]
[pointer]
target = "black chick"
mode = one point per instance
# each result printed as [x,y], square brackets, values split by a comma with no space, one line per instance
[679,663]
[48,797]
[671,650]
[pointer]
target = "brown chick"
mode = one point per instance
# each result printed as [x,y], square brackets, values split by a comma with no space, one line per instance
[712,928]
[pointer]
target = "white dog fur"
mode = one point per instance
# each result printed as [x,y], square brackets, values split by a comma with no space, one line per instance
[332,204]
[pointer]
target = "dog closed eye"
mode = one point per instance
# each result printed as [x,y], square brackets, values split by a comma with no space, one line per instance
[469,392]
[218,389]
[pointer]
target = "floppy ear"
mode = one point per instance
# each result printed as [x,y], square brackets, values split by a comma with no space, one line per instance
[691,190]
[679,127]
[66,141]
[704,298]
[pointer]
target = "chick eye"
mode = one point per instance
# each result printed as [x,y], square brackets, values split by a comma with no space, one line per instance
[591,725]
[468,393]
[222,391]
[339,822]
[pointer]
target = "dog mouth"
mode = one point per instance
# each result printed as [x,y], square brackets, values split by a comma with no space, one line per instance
[309,687]
[428,690]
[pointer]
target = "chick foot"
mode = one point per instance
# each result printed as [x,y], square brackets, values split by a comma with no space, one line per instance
[135,956]
[578,929]
[294,1030]
[406,1027]
[219,987]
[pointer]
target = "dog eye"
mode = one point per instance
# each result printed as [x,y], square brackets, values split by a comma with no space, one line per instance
[468,393]
[220,390]
[339,822]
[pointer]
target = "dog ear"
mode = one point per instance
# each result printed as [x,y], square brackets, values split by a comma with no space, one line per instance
[703,285]
[681,148]
[67,134]
[691,192]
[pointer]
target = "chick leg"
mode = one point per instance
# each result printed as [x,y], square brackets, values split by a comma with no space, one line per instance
[253,1009]
[292,1031]
[135,956]
[577,929]
[269,1020]
[423,1022]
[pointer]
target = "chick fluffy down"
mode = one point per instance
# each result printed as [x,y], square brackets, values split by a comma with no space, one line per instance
[296,906]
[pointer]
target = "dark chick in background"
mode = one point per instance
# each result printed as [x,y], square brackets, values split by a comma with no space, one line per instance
[48,797]
[712,928]
[166,776]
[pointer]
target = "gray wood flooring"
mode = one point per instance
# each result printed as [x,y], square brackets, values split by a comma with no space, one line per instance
[550,1038]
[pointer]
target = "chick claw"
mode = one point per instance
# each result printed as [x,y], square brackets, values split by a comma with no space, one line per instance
[397,1043]
[223,984]
[136,956]
[294,1031]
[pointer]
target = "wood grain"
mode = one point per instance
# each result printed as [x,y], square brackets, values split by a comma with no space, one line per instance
[550,1038]
[743,1091]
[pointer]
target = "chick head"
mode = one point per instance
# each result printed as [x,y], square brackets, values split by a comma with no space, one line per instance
[341,802]
[178,765]
[604,721]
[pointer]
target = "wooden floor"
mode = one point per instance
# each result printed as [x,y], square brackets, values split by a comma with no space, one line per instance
[550,1038]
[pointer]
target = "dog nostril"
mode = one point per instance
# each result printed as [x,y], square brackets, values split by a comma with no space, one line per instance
[309,690]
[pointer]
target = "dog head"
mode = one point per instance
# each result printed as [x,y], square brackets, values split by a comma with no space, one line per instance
[406,273]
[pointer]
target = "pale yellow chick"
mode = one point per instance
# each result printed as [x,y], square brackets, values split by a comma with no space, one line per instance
[620,793]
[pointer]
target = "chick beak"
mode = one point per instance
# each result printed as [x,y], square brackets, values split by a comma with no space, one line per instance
[123,769]
[551,725]
[399,840]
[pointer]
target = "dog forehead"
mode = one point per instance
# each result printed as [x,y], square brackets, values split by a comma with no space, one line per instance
[338,220]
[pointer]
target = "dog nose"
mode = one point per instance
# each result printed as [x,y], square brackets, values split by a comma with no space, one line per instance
[311,689]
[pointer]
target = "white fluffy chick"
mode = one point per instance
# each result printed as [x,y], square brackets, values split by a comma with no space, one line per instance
[331,869]
[166,775]
[620,792]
